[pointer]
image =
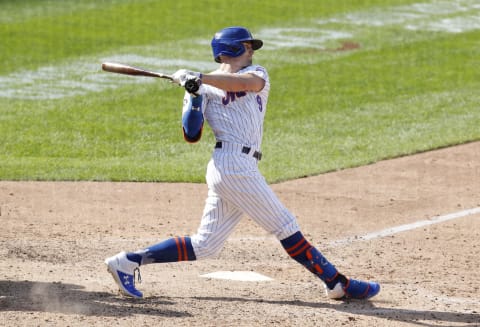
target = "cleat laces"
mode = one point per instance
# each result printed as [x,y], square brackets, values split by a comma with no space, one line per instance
[139,277]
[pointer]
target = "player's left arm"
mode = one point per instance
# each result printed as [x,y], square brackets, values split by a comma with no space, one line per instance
[192,117]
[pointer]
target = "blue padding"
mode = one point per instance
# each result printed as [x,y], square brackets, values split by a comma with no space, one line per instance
[304,253]
[192,120]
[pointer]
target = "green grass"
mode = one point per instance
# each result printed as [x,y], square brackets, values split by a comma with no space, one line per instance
[38,32]
[401,92]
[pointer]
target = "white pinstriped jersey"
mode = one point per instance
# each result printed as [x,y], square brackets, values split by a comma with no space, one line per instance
[235,185]
[237,117]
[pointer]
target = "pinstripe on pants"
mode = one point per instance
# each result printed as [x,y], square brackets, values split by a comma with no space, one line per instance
[236,187]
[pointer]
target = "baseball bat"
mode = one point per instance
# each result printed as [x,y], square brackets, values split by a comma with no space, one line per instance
[130,70]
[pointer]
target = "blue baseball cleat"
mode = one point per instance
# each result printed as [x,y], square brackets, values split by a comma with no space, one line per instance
[353,289]
[123,272]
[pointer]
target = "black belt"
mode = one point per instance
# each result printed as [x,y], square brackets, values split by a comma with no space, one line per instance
[257,155]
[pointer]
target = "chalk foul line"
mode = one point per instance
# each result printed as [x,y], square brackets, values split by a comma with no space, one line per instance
[403,228]
[243,276]
[253,276]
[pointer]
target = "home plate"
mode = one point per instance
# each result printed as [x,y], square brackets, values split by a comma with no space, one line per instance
[244,276]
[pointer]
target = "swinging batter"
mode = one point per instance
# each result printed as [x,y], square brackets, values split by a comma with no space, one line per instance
[233,100]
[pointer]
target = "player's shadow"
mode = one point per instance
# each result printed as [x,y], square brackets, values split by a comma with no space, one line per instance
[58,297]
[367,308]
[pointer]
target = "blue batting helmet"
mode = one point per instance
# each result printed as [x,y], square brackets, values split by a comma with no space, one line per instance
[228,42]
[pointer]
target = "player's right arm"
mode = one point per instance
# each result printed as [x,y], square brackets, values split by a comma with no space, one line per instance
[234,82]
[247,81]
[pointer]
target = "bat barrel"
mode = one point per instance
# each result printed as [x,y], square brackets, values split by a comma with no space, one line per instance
[130,70]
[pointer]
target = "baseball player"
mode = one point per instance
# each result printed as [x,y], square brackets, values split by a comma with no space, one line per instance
[233,100]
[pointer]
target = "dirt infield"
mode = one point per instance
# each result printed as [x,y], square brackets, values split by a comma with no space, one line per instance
[55,236]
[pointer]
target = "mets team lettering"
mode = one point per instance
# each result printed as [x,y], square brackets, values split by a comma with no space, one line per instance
[237,117]
[230,96]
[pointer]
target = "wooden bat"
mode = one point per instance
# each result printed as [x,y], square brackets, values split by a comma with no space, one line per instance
[130,70]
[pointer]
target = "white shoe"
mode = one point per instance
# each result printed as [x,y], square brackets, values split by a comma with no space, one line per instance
[336,293]
[123,272]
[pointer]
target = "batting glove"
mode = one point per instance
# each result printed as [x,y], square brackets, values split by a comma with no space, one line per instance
[183,75]
[194,86]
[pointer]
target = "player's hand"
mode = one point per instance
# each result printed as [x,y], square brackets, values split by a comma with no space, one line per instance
[183,75]
[193,86]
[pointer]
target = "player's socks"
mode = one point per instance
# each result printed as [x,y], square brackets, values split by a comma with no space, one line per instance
[171,250]
[303,252]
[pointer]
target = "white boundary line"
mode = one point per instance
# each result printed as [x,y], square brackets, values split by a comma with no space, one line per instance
[406,227]
[252,276]
[242,276]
